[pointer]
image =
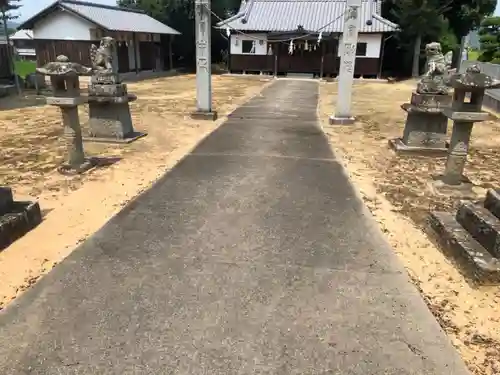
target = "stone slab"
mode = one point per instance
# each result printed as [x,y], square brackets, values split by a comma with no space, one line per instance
[201,115]
[21,218]
[492,202]
[66,102]
[425,129]
[474,259]
[397,145]
[105,78]
[126,140]
[466,116]
[481,224]
[341,120]
[112,99]
[430,100]
[412,108]
[118,89]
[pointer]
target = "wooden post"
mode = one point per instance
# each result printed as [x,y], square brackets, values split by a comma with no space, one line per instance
[276,51]
[136,51]
[321,69]
[170,58]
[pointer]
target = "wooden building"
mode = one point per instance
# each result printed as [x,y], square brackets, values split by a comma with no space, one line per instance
[5,68]
[262,43]
[70,27]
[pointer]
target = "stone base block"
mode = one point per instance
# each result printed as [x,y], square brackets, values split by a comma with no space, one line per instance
[110,120]
[68,170]
[6,199]
[474,259]
[129,138]
[397,145]
[482,225]
[425,129]
[19,219]
[341,120]
[202,115]
[492,202]
[463,190]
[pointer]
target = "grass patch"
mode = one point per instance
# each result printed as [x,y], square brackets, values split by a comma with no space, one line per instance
[24,67]
[473,55]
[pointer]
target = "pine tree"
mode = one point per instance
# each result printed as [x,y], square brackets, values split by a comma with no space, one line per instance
[7,12]
[489,37]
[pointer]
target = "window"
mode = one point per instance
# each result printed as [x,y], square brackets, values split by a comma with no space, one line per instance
[361,49]
[247,46]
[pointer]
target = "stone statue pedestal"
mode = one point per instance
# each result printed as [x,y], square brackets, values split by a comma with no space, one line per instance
[463,114]
[109,111]
[425,127]
[16,218]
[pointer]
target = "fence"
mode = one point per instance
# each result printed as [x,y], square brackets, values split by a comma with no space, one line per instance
[492,97]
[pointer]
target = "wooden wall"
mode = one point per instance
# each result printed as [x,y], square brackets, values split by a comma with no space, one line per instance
[5,71]
[79,51]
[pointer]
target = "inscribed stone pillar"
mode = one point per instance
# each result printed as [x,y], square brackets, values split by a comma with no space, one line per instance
[203,62]
[343,113]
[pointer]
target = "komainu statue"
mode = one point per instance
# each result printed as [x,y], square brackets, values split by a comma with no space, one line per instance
[102,56]
[438,69]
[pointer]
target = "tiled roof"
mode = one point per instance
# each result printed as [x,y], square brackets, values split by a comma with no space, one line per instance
[312,15]
[108,17]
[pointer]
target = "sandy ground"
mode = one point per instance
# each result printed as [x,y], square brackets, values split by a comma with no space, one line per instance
[76,207]
[397,193]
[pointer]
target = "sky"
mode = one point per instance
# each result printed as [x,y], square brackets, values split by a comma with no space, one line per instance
[31,7]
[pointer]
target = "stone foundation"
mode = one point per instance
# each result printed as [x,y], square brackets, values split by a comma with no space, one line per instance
[110,119]
[201,115]
[16,218]
[472,237]
[425,127]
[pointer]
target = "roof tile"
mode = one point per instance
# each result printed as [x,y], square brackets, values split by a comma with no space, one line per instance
[312,15]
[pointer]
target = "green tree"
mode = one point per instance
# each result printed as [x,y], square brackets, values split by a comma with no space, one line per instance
[7,12]
[179,14]
[489,38]
[466,15]
[419,22]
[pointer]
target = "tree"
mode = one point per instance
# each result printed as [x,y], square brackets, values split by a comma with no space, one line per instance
[489,38]
[419,21]
[466,15]
[179,14]
[6,9]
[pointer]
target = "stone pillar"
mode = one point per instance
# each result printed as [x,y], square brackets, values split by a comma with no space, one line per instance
[203,62]
[73,137]
[343,113]
[425,127]
[459,149]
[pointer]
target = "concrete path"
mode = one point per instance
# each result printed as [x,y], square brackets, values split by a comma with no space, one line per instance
[253,256]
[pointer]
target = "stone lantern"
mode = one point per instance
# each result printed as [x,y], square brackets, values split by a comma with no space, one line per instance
[465,110]
[64,77]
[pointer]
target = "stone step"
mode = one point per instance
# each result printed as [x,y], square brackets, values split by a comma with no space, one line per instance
[481,224]
[21,218]
[492,202]
[6,199]
[475,260]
